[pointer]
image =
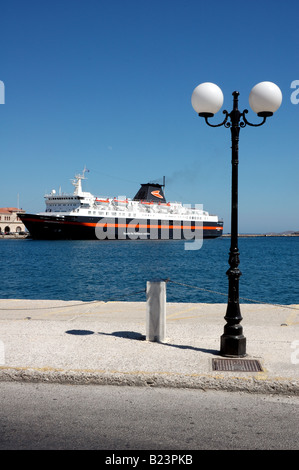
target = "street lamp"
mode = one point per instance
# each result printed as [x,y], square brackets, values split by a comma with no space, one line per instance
[207,99]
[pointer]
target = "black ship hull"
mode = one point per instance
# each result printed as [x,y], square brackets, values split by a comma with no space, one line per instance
[50,227]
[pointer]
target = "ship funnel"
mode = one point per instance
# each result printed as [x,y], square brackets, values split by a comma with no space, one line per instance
[150,192]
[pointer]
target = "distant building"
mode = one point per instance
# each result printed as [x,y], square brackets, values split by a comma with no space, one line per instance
[9,221]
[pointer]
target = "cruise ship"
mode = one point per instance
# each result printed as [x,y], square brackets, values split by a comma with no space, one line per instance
[148,216]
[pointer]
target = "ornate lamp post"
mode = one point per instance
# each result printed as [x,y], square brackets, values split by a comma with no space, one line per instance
[264,99]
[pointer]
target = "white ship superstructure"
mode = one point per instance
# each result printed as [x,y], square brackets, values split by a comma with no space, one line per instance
[78,215]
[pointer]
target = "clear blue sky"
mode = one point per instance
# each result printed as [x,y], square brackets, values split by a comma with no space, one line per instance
[108,84]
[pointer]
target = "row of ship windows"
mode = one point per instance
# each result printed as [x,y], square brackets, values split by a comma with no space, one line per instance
[186,217]
[136,215]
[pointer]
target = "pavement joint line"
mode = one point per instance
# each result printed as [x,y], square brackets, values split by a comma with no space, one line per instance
[182,311]
[181,318]
[290,319]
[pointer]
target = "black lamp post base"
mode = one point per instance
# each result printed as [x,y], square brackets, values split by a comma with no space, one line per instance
[233,346]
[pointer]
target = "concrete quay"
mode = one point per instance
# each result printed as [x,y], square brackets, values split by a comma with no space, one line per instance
[74,342]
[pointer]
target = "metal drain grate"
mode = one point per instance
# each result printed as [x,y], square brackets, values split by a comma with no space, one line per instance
[237,365]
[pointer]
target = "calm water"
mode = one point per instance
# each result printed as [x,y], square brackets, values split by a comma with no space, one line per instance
[118,270]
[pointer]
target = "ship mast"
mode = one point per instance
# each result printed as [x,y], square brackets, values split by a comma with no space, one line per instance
[77,183]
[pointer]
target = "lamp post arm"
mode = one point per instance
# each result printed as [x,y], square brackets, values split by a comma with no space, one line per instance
[263,115]
[223,123]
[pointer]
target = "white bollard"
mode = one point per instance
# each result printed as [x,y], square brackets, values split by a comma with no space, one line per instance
[156,310]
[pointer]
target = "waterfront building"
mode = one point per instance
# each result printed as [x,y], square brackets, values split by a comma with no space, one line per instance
[10,223]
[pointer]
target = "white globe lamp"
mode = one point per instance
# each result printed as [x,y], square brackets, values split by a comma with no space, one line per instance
[207,99]
[265,98]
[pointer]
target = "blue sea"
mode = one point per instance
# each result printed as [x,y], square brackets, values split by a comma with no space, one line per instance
[118,270]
